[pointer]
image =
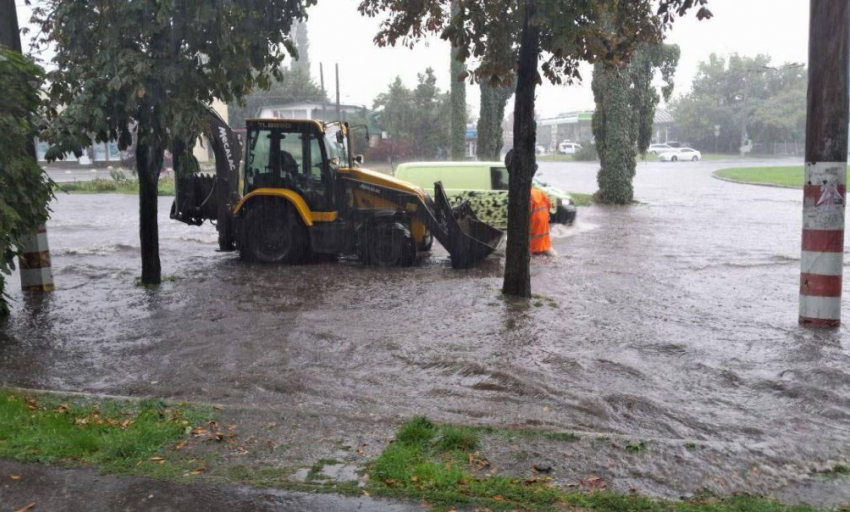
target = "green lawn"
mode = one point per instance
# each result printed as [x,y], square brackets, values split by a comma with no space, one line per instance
[790,176]
[113,435]
[442,465]
[111,186]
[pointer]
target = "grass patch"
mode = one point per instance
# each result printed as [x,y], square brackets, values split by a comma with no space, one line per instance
[315,472]
[115,436]
[113,186]
[835,471]
[636,447]
[582,199]
[439,464]
[789,176]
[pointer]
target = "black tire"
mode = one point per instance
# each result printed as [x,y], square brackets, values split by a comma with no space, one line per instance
[674,159]
[275,234]
[696,159]
[387,244]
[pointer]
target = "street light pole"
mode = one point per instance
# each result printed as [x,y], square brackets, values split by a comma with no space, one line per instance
[824,187]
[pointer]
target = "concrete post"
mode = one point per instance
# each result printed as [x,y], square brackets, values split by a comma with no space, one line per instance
[824,188]
[36,274]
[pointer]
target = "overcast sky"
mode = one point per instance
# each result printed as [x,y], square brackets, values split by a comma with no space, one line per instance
[338,34]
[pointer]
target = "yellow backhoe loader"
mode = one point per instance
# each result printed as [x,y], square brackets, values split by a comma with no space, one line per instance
[301,192]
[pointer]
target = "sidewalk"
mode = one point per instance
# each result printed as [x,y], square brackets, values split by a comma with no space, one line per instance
[57,490]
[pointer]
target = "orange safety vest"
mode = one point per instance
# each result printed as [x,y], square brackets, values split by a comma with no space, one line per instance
[539,236]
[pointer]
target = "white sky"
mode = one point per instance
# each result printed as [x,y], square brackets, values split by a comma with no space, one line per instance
[338,34]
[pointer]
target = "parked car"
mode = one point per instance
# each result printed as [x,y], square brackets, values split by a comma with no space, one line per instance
[657,149]
[568,148]
[680,154]
[540,150]
[484,185]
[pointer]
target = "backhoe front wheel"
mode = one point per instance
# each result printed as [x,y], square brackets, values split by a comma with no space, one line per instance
[387,244]
[275,234]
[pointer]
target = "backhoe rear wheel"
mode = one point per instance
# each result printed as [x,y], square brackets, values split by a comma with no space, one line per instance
[275,234]
[387,244]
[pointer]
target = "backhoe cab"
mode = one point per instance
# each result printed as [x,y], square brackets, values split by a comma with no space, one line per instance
[301,193]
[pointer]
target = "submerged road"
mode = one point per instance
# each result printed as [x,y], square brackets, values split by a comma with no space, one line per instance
[675,318]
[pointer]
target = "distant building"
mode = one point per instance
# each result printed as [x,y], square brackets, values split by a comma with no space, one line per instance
[308,110]
[578,127]
[572,127]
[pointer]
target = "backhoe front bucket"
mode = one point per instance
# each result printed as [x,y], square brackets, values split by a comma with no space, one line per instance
[467,239]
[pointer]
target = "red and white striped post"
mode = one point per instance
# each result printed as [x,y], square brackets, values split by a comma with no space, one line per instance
[36,274]
[825,192]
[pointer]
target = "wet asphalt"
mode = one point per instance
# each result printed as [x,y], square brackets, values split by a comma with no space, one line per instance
[672,319]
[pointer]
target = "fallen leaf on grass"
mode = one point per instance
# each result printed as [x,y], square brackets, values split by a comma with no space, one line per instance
[366,493]
[218,408]
[62,408]
[414,478]
[197,471]
[199,431]
[26,507]
[180,445]
[158,460]
[15,477]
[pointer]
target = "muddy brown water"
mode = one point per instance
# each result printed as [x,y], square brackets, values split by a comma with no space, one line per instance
[672,319]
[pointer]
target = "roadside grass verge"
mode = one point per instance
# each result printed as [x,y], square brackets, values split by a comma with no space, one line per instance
[440,464]
[582,199]
[113,436]
[111,186]
[787,176]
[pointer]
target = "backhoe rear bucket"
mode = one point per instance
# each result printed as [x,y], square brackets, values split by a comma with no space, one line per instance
[467,239]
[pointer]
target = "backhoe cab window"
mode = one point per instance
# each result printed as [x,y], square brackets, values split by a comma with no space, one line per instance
[290,160]
[259,156]
[337,151]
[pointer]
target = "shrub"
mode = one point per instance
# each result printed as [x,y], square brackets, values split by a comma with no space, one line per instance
[587,153]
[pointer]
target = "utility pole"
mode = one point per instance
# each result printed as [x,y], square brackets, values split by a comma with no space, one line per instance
[36,274]
[824,190]
[10,35]
[338,115]
[324,94]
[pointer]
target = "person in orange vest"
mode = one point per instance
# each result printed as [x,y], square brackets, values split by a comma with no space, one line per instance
[539,241]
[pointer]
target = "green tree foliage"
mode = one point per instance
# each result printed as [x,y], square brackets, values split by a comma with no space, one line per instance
[457,71]
[727,90]
[416,120]
[154,65]
[294,85]
[625,112]
[490,117]
[25,189]
[548,32]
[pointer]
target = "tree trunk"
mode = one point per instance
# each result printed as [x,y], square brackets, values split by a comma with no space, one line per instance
[521,163]
[149,156]
[458,103]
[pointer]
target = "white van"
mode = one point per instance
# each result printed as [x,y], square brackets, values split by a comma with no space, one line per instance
[568,148]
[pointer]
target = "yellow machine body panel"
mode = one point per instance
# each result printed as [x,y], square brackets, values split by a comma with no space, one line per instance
[308,216]
[384,180]
[363,199]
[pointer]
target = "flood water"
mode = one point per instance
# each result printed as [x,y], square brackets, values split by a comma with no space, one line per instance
[675,318]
